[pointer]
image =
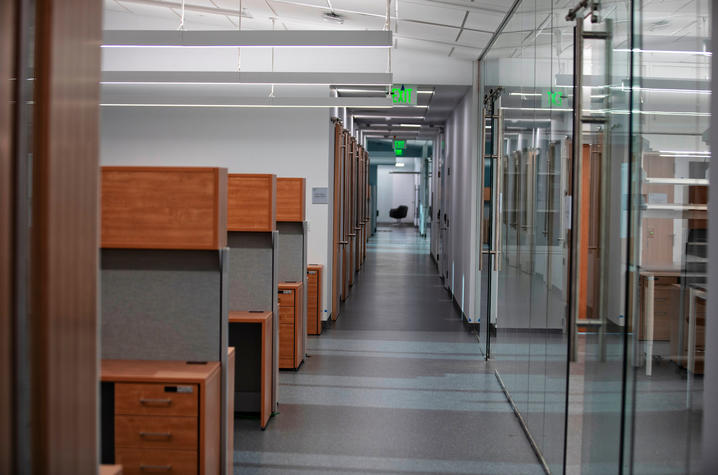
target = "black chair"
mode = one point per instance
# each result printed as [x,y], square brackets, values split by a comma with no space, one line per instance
[399,213]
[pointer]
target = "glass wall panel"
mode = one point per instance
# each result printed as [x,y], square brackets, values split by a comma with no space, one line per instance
[530,60]
[671,114]
[601,205]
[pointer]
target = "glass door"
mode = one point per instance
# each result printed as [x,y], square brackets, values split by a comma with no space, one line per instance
[490,208]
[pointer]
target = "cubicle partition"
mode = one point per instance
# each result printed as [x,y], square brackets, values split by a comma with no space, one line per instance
[292,227]
[164,276]
[253,278]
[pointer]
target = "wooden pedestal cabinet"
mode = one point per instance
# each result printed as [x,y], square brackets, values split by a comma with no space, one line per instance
[166,416]
[314,299]
[291,325]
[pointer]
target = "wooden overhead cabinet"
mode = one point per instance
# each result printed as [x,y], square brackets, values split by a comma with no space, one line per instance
[164,208]
[291,199]
[252,204]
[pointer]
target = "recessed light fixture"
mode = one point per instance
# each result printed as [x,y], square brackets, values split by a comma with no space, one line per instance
[399,164]
[425,92]
[409,125]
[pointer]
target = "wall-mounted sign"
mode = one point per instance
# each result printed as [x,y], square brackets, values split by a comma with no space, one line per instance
[320,196]
[399,144]
[404,94]
[399,152]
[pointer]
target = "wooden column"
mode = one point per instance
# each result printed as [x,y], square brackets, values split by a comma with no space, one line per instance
[64,248]
[7,72]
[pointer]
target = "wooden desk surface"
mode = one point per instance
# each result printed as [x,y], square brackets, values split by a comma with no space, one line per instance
[666,272]
[249,317]
[148,371]
[110,469]
[289,285]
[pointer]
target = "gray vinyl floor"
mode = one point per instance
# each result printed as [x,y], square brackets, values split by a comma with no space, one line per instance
[395,385]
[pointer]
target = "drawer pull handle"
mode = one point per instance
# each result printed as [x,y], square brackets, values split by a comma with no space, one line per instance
[156,435]
[156,402]
[155,468]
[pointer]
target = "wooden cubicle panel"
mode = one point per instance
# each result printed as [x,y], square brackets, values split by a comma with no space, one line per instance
[7,74]
[291,199]
[164,208]
[252,202]
[64,249]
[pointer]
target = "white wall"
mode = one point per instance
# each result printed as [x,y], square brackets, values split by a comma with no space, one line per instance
[287,142]
[460,180]
[394,190]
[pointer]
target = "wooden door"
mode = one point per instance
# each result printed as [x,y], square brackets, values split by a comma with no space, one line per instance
[337,216]
[345,213]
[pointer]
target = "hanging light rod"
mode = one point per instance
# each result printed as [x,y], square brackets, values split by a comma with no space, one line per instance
[247,39]
[244,77]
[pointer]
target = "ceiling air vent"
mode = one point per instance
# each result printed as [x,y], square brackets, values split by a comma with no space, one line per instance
[332,17]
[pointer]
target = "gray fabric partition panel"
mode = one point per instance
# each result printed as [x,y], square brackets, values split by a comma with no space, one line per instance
[291,252]
[161,305]
[250,271]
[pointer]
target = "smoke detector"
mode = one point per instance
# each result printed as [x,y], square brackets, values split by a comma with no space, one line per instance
[332,17]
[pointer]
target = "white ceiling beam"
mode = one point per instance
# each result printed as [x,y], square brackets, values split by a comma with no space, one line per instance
[248,38]
[245,77]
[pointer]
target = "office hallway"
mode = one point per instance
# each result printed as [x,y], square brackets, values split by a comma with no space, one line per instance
[395,385]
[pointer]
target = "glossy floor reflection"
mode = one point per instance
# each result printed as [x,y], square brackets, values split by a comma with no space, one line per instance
[396,385]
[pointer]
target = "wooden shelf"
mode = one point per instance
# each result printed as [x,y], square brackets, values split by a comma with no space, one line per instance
[291,199]
[251,202]
[164,208]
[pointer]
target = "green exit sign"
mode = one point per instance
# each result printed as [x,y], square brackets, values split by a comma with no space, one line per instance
[404,94]
[399,144]
[399,152]
[554,98]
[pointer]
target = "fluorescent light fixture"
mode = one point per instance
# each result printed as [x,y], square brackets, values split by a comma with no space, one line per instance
[409,125]
[430,91]
[692,152]
[663,51]
[531,94]
[244,77]
[387,117]
[247,39]
[233,106]
[668,91]
[399,164]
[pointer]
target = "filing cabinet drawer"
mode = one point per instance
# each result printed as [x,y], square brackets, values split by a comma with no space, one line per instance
[286,345]
[286,315]
[146,461]
[156,399]
[158,432]
[286,298]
